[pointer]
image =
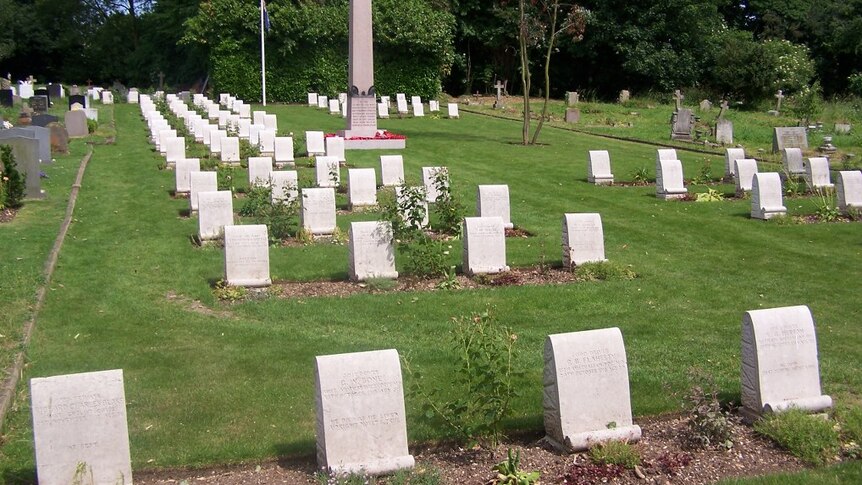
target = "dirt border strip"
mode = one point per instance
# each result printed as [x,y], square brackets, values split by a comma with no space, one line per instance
[7,393]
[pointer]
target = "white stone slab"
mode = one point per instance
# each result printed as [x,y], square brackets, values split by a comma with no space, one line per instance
[258,117]
[383,110]
[175,149]
[792,160]
[371,251]
[161,139]
[583,239]
[391,170]
[484,245]
[285,186]
[246,255]
[314,143]
[666,154]
[230,149]
[817,173]
[453,110]
[107,97]
[270,121]
[245,111]
[254,134]
[418,110]
[361,421]
[428,175]
[493,201]
[766,198]
[599,168]
[184,167]
[80,429]
[335,148]
[780,369]
[744,170]
[849,190]
[266,142]
[730,156]
[223,115]
[322,102]
[361,187]
[216,137]
[669,180]
[327,171]
[284,149]
[243,128]
[318,210]
[586,396]
[334,107]
[312,99]
[201,182]
[259,170]
[215,210]
[401,104]
[433,106]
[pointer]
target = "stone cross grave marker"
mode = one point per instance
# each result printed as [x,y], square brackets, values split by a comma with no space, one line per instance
[724,106]
[498,100]
[361,420]
[371,251]
[583,239]
[766,199]
[391,170]
[678,97]
[780,368]
[318,211]
[493,201]
[484,245]
[246,255]
[80,429]
[778,96]
[361,187]
[743,175]
[849,190]
[587,397]
[201,182]
[599,168]
[215,211]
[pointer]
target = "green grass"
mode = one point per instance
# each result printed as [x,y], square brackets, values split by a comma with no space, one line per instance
[812,439]
[222,388]
[845,473]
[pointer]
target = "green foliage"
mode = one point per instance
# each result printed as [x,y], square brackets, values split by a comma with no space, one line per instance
[641,176]
[827,210]
[854,84]
[812,439]
[792,64]
[615,453]
[509,471]
[604,271]
[426,256]
[482,380]
[711,195]
[226,174]
[705,174]
[246,150]
[92,126]
[447,207]
[227,293]
[807,104]
[11,180]
[708,424]
[280,218]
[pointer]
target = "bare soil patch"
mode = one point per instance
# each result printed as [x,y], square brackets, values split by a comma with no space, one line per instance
[7,215]
[665,460]
[196,306]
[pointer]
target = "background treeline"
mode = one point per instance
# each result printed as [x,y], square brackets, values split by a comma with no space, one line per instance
[746,49]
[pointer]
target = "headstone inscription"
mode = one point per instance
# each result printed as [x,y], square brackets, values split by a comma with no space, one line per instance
[318,211]
[215,211]
[39,103]
[246,255]
[493,201]
[849,191]
[80,429]
[780,368]
[383,110]
[789,137]
[266,143]
[229,149]
[766,201]
[484,245]
[391,170]
[361,420]
[361,187]
[583,239]
[586,397]
[371,251]
[599,168]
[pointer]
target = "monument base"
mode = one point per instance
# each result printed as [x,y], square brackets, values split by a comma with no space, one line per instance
[383,140]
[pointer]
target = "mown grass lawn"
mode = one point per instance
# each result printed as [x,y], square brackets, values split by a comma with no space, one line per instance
[212,389]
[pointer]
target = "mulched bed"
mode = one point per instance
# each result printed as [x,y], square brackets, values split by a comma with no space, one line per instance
[6,215]
[665,457]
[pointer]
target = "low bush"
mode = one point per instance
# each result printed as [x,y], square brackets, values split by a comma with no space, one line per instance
[812,439]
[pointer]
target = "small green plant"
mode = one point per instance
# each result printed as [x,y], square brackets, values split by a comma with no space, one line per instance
[827,210]
[226,176]
[793,186]
[705,175]
[12,181]
[615,453]
[426,257]
[711,195]
[339,237]
[225,292]
[92,126]
[708,423]
[83,474]
[604,271]
[850,418]
[509,471]
[257,200]
[449,210]
[449,281]
[304,236]
[482,380]
[812,439]
[641,176]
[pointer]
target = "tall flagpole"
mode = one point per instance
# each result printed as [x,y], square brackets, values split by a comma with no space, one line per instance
[262,56]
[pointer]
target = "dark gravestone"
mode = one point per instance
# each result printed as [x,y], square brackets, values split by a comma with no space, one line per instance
[55,91]
[43,120]
[7,98]
[39,103]
[26,153]
[43,92]
[76,123]
[789,137]
[77,98]
[38,133]
[59,138]
[683,122]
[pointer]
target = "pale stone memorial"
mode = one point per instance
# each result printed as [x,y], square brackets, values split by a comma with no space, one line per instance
[322,102]
[230,149]
[599,168]
[669,180]
[284,150]
[371,251]
[493,201]
[285,186]
[433,106]
[76,124]
[484,245]
[361,420]
[391,170]
[215,210]
[335,148]
[270,122]
[361,187]
[428,176]
[314,143]
[259,170]
[766,201]
[383,110]
[789,137]
[401,103]
[791,158]
[724,132]
[583,239]
[266,142]
[418,110]
[849,190]
[731,155]
[175,149]
[586,390]
[246,255]
[318,211]
[80,429]
[780,368]
[453,110]
[201,182]
[312,99]
[334,107]
[327,171]
[258,117]
[817,173]
[184,167]
[744,170]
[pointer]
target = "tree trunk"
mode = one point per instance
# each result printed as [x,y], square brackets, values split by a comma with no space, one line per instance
[550,51]
[525,71]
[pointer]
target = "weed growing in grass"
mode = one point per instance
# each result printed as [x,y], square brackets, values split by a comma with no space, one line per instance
[509,472]
[711,195]
[483,380]
[812,439]
[615,453]
[827,210]
[708,424]
[246,149]
[225,292]
[641,176]
[226,175]
[450,280]
[705,175]
[604,270]
[793,186]
[12,184]
[449,210]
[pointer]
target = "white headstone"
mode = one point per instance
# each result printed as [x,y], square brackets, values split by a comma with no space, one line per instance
[428,175]
[766,200]
[258,118]
[817,173]
[666,154]
[314,143]
[230,149]
[259,170]
[383,110]
[184,167]
[318,210]
[246,255]
[849,190]
[322,102]
[361,421]
[583,239]
[201,182]
[80,430]
[312,99]
[731,155]
[107,97]
[401,104]
[243,128]
[484,245]
[418,110]
[175,149]
[780,369]
[744,170]
[668,180]
[284,149]
[599,168]
[391,170]
[453,110]
[245,111]
[792,159]
[371,252]
[215,210]
[335,148]
[162,138]
[133,96]
[254,134]
[328,173]
[586,397]
[334,107]
[215,140]
[266,142]
[285,186]
[433,106]
[493,201]
[361,187]
[270,121]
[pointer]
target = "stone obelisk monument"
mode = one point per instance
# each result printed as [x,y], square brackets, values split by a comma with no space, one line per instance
[361,98]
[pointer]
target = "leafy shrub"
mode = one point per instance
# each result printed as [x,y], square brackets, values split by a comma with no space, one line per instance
[812,439]
[279,218]
[225,175]
[426,257]
[604,271]
[711,195]
[705,175]
[708,424]
[641,176]
[807,104]
[246,150]
[615,453]
[92,126]
[449,210]
[827,210]
[14,185]
[225,292]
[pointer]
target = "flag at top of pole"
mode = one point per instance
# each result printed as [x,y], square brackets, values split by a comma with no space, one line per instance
[264,27]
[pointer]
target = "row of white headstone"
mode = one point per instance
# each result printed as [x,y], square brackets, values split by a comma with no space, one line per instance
[361,423]
[339,105]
